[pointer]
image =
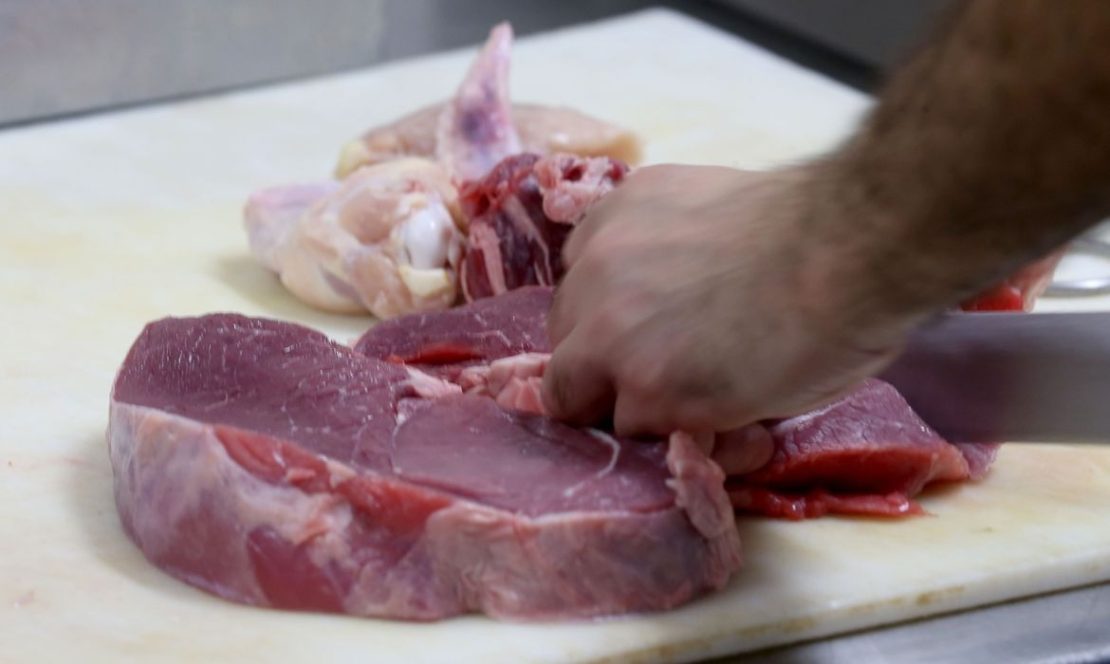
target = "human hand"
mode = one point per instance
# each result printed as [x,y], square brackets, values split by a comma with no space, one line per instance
[697,298]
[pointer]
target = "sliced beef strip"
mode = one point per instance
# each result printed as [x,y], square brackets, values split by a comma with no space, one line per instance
[444,342]
[266,464]
[868,453]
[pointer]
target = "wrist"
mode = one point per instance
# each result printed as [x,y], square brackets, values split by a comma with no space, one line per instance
[856,278]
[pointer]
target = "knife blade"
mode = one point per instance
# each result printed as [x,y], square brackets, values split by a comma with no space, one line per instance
[992,377]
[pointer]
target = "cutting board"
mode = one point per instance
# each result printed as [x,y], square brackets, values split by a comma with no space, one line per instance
[111,221]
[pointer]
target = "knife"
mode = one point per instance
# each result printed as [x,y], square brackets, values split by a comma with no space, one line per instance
[992,377]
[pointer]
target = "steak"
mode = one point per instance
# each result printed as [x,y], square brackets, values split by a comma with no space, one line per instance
[266,464]
[867,454]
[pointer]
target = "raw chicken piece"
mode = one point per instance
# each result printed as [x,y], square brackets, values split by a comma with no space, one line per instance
[271,214]
[542,129]
[475,129]
[385,240]
[479,126]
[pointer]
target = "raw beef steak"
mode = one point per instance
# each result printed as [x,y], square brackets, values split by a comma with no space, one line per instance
[266,464]
[867,454]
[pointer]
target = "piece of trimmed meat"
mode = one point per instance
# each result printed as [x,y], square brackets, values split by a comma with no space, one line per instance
[520,215]
[385,240]
[867,453]
[263,463]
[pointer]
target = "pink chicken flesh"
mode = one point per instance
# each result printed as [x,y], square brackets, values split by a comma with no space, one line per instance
[385,240]
[388,238]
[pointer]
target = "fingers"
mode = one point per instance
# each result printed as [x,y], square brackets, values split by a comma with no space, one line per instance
[576,386]
[635,415]
[589,226]
[660,411]
[574,297]
[563,314]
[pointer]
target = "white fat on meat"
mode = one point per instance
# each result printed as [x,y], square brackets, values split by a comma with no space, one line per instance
[570,185]
[514,382]
[385,240]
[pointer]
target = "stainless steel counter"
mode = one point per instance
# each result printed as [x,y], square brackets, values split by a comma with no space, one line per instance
[1061,628]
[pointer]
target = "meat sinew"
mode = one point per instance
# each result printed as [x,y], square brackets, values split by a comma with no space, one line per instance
[266,464]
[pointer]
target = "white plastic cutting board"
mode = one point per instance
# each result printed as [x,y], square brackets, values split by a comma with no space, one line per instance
[111,221]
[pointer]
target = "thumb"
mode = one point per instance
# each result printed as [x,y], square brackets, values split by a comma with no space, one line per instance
[576,386]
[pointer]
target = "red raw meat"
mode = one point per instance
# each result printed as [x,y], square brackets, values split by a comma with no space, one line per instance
[266,464]
[868,453]
[444,342]
[521,214]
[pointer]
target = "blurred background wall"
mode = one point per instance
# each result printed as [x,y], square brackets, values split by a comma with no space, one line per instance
[60,57]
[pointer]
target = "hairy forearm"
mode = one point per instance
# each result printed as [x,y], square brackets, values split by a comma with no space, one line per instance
[989,148]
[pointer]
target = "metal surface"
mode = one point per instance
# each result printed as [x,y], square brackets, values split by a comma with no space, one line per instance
[1065,627]
[877,32]
[63,56]
[1086,286]
[986,377]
